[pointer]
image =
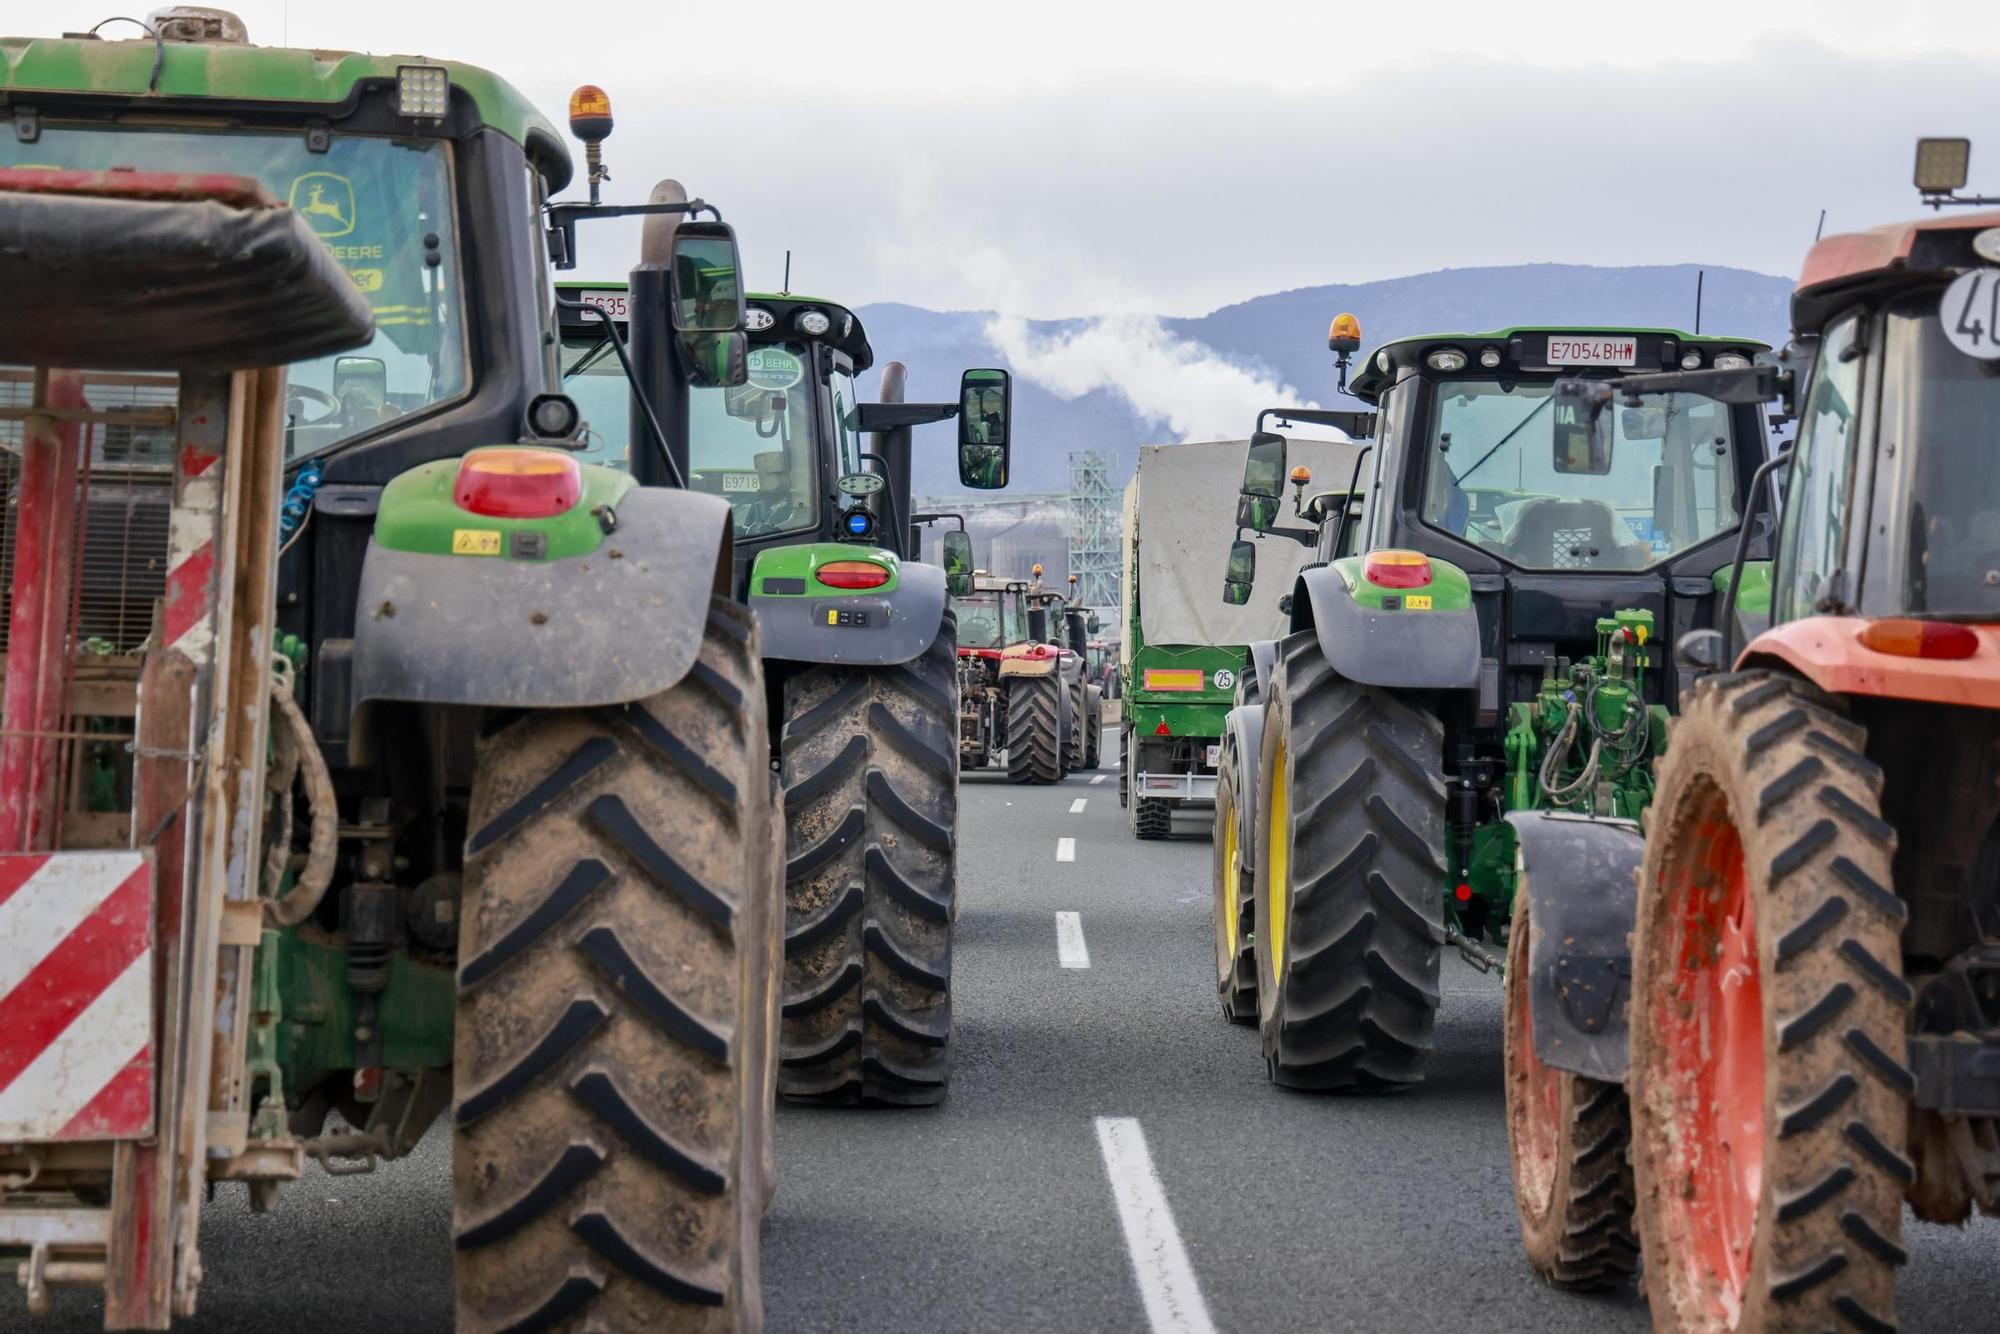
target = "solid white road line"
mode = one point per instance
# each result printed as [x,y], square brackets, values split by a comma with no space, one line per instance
[1071,952]
[1065,849]
[1076,807]
[1097,778]
[1166,1281]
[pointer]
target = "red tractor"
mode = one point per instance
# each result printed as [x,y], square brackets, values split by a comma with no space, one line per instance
[1022,686]
[1815,954]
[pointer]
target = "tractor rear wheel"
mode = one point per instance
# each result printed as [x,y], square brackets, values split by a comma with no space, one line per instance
[618,946]
[1034,729]
[1567,1136]
[1235,956]
[1350,874]
[1770,1094]
[869,766]
[1078,749]
[1093,729]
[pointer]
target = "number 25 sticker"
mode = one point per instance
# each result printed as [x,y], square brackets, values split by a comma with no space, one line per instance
[1970,314]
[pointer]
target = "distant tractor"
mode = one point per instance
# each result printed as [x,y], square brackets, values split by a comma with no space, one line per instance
[1481,669]
[1815,961]
[1023,690]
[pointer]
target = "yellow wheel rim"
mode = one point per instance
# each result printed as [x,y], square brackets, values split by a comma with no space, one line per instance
[1232,876]
[1278,857]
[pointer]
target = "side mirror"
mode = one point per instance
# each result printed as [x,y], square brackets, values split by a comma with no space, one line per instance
[1257,513]
[985,411]
[1094,621]
[1264,466]
[707,293]
[956,549]
[1582,434]
[1241,574]
[718,360]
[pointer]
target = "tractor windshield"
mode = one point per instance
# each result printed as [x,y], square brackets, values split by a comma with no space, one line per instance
[1944,408]
[383,206]
[1492,478]
[990,619]
[753,445]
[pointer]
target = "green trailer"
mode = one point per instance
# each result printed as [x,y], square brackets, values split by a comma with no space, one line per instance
[1183,653]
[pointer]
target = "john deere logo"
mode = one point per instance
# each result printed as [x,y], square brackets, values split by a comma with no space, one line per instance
[325,201]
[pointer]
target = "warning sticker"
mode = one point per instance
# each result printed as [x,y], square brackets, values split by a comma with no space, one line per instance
[475,542]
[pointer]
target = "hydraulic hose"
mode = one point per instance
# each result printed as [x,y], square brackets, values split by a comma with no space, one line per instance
[296,745]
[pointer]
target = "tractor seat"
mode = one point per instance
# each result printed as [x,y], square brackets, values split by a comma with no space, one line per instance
[1573,535]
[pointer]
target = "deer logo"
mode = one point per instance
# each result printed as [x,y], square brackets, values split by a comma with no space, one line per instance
[325,201]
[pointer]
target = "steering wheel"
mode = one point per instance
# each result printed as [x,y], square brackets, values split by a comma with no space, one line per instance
[319,396]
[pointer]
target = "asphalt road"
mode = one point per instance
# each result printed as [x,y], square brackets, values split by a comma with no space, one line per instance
[997,1212]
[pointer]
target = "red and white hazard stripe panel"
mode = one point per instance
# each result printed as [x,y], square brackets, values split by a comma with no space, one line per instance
[76,995]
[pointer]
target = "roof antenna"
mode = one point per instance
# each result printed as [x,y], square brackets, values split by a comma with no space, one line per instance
[786,290]
[1819,230]
[1699,274]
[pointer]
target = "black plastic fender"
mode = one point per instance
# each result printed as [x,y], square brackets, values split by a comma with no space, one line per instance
[1263,658]
[1245,722]
[576,632]
[897,627]
[1414,650]
[1581,878]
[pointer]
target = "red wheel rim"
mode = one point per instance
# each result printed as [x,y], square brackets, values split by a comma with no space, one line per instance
[1537,1095]
[1712,1025]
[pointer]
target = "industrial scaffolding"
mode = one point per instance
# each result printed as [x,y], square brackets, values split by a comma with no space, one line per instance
[1093,528]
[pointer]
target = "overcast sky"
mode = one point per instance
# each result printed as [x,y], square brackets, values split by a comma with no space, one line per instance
[1082,158]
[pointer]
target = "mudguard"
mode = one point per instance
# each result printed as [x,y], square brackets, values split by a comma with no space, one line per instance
[574,632]
[1246,724]
[1413,650]
[898,626]
[1263,658]
[1581,878]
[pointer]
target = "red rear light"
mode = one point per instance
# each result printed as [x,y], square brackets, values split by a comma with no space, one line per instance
[1397,569]
[1161,730]
[517,483]
[852,574]
[1463,892]
[1920,639]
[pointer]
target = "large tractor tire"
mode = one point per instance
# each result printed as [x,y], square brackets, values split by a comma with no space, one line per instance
[870,774]
[1232,911]
[1093,727]
[1034,729]
[1350,876]
[1770,1095]
[1077,751]
[1567,1136]
[619,947]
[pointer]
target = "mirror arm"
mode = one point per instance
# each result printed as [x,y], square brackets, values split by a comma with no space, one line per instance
[874,417]
[928,519]
[632,381]
[1305,537]
[1760,483]
[564,217]
[1358,425]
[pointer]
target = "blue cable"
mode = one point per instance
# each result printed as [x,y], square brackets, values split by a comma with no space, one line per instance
[299,499]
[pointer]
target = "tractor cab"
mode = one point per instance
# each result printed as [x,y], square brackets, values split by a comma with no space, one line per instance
[991,615]
[1468,477]
[788,446]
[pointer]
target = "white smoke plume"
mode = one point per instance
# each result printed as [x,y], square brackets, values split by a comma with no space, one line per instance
[1176,382]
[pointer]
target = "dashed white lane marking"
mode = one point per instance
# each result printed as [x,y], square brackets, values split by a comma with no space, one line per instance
[1071,952]
[1097,778]
[1076,807]
[1065,849]
[1166,1281]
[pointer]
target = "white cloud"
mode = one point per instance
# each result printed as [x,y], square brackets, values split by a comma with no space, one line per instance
[1175,382]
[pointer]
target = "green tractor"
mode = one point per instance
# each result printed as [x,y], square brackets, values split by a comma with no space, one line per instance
[534,882]
[860,655]
[1479,673]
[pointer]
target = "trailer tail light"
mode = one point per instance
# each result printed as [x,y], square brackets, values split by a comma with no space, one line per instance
[852,574]
[509,482]
[1920,639]
[1162,729]
[1397,569]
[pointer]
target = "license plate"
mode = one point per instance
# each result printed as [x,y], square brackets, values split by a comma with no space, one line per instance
[739,481]
[611,303]
[1214,757]
[1593,351]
